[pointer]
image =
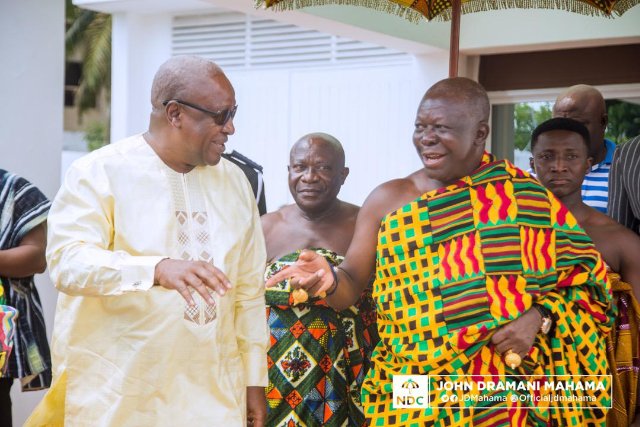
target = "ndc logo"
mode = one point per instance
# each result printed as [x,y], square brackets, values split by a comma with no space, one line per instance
[410,391]
[410,385]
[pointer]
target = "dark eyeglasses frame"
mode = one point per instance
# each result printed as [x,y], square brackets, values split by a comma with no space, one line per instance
[220,117]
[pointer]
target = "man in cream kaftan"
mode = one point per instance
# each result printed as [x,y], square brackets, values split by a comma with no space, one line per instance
[139,229]
[133,353]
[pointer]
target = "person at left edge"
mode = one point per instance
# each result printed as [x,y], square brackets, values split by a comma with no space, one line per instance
[157,249]
[23,237]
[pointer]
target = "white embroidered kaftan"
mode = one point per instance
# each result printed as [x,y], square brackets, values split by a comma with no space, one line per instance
[133,354]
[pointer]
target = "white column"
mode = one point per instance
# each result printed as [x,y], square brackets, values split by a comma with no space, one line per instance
[32,76]
[140,43]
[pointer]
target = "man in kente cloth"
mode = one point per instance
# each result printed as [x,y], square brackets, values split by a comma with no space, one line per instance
[476,265]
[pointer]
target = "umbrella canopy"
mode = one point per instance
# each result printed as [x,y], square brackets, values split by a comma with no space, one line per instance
[415,10]
[410,385]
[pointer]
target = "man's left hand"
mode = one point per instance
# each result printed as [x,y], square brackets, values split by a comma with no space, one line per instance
[256,407]
[519,334]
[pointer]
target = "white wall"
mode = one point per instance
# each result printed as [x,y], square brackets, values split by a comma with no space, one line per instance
[370,110]
[32,52]
[140,43]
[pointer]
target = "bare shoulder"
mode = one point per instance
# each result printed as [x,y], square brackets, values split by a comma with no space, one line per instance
[350,210]
[628,238]
[274,219]
[390,196]
[606,224]
[628,246]
[612,239]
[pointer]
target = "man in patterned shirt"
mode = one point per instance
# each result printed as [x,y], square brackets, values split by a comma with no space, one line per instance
[473,260]
[23,238]
[586,105]
[624,189]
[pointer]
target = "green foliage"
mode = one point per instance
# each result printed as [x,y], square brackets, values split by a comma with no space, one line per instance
[624,120]
[526,117]
[89,34]
[96,135]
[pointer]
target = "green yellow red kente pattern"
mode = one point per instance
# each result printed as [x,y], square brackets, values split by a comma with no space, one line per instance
[459,262]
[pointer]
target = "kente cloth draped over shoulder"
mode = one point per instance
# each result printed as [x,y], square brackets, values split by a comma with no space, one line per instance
[623,354]
[127,353]
[318,357]
[22,208]
[461,261]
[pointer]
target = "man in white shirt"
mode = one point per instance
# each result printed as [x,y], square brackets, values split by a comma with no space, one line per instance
[157,249]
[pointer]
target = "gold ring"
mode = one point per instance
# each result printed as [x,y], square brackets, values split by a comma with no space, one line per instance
[512,359]
[299,296]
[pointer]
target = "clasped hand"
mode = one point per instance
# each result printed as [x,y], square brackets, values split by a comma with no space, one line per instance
[183,276]
[310,272]
[519,334]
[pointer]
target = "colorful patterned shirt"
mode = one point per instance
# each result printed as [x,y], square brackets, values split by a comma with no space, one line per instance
[318,356]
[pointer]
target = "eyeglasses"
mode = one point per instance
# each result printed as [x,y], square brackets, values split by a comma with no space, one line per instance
[220,117]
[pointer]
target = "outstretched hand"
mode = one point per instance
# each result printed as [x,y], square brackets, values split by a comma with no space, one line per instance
[310,272]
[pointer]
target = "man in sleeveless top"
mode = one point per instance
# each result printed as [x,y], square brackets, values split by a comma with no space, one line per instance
[318,356]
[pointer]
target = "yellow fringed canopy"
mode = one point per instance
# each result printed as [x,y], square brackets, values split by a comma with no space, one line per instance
[441,9]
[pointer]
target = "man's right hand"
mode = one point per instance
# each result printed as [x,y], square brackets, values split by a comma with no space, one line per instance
[197,275]
[310,272]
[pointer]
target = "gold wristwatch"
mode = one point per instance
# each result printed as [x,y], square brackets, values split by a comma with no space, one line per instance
[547,320]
